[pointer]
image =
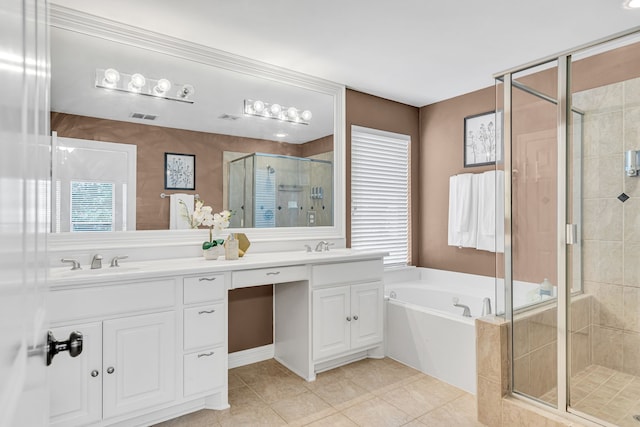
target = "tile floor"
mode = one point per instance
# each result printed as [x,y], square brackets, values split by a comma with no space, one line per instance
[604,393]
[366,393]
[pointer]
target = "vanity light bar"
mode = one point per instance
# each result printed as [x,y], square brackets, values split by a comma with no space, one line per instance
[263,109]
[138,84]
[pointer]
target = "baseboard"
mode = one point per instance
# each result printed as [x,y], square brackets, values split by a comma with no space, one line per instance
[252,355]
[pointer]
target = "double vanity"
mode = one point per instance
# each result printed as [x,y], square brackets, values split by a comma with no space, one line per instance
[155,333]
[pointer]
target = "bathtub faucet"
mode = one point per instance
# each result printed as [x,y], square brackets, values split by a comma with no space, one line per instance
[466,312]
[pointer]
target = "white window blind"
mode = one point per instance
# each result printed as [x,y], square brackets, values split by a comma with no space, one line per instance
[92,206]
[380,193]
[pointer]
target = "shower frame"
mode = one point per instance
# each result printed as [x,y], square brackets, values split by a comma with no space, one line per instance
[566,230]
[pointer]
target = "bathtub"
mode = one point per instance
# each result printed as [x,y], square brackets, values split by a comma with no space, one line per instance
[425,331]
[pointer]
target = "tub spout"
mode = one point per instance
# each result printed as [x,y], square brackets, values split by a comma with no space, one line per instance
[466,312]
[486,306]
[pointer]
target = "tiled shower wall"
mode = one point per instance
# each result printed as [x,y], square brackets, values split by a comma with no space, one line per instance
[611,227]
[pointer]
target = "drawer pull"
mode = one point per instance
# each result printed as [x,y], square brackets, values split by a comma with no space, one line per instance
[205,354]
[208,279]
[273,273]
[206,311]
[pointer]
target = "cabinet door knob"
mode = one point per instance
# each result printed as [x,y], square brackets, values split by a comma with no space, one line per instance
[348,318]
[206,311]
[355,317]
[208,279]
[110,370]
[95,373]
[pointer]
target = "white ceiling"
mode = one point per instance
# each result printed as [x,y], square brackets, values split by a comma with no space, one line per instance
[412,51]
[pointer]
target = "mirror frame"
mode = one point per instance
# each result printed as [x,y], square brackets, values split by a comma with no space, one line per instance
[73,20]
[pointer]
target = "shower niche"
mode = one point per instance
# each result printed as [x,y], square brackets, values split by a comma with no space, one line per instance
[266,190]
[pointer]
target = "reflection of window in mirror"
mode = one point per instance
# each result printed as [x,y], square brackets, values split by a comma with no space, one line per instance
[97,181]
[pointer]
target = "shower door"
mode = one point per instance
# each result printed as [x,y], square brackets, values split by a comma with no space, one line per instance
[604,321]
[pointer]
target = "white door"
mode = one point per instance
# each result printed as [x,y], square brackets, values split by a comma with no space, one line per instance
[24,170]
[366,313]
[331,322]
[76,382]
[139,362]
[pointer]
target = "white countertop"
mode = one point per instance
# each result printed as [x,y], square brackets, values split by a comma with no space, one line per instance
[132,270]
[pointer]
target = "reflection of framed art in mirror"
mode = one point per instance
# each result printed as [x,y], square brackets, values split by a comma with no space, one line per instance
[179,171]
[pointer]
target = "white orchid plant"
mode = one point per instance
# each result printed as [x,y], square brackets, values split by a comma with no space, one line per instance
[203,215]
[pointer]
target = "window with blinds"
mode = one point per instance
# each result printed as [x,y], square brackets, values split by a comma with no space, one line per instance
[380,193]
[92,206]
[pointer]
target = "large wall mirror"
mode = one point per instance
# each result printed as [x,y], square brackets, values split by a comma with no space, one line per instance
[138,117]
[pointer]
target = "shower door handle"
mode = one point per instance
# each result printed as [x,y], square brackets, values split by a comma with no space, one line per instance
[572,234]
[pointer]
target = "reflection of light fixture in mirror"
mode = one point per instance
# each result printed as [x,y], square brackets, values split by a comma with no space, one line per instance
[632,162]
[186,91]
[276,111]
[632,4]
[163,86]
[112,79]
[280,135]
[137,82]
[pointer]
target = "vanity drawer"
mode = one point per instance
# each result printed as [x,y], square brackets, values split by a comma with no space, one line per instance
[209,287]
[204,371]
[204,326]
[108,300]
[268,276]
[347,272]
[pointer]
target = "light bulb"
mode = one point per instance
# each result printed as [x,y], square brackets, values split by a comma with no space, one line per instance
[111,77]
[292,113]
[186,91]
[137,82]
[632,4]
[258,106]
[162,87]
[275,109]
[306,115]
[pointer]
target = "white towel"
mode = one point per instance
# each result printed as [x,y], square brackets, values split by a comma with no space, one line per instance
[454,234]
[469,215]
[491,212]
[464,202]
[177,221]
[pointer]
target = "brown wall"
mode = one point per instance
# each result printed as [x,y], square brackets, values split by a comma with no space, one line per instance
[152,212]
[378,113]
[441,155]
[250,317]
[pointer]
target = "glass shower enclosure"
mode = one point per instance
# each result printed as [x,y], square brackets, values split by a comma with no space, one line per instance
[572,134]
[267,190]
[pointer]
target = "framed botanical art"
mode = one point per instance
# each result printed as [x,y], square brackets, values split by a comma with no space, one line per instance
[179,171]
[482,139]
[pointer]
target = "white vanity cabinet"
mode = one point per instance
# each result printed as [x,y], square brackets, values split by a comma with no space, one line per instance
[76,383]
[347,313]
[205,336]
[128,362]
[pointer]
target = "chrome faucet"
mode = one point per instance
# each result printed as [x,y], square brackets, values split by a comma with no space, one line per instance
[466,312]
[96,262]
[74,262]
[486,306]
[114,261]
[322,245]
